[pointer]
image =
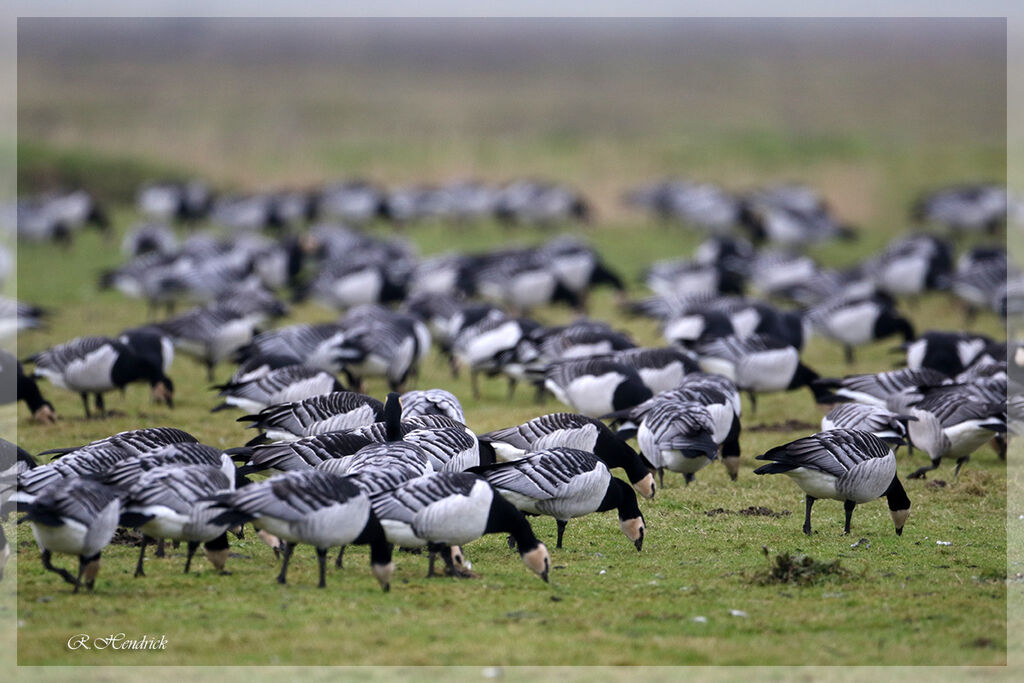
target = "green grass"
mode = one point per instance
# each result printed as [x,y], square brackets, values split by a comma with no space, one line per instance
[904,600]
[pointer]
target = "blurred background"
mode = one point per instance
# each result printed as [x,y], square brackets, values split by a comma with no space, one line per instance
[867,110]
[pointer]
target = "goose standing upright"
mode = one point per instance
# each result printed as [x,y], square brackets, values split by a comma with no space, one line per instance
[841,464]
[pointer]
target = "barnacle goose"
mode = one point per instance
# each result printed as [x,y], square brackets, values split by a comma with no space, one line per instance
[697,325]
[169,502]
[569,430]
[911,265]
[954,424]
[963,208]
[878,389]
[210,334]
[16,316]
[290,383]
[678,436]
[579,266]
[313,345]
[390,346]
[432,402]
[258,366]
[126,473]
[95,365]
[13,462]
[149,238]
[76,516]
[486,345]
[858,321]
[841,464]
[888,426]
[595,386]
[946,352]
[757,364]
[377,457]
[566,483]
[15,385]
[318,508]
[522,280]
[151,344]
[455,508]
[659,368]
[336,411]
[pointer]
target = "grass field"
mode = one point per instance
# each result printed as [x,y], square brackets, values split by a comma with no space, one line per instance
[901,600]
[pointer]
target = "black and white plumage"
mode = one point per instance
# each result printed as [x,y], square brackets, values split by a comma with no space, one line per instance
[15,385]
[378,457]
[954,424]
[313,507]
[456,508]
[569,430]
[170,501]
[312,345]
[565,483]
[489,344]
[284,385]
[678,436]
[522,281]
[659,368]
[77,516]
[151,344]
[596,386]
[149,238]
[973,207]
[757,364]
[858,321]
[886,425]
[333,412]
[257,366]
[389,347]
[16,316]
[95,458]
[911,265]
[883,389]
[95,365]
[842,464]
[450,449]
[303,454]
[432,402]
[127,472]
[13,462]
[946,352]
[211,334]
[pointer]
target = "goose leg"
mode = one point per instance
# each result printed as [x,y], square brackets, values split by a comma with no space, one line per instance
[753,402]
[688,477]
[511,387]
[661,477]
[85,403]
[286,551]
[960,463]
[920,471]
[561,530]
[848,354]
[142,554]
[161,548]
[848,507]
[431,558]
[209,369]
[511,543]
[807,515]
[999,443]
[192,547]
[63,573]
[474,383]
[101,405]
[338,561]
[321,558]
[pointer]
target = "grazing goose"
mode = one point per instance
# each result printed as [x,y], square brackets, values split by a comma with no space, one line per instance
[854,322]
[963,208]
[596,386]
[211,334]
[432,402]
[318,508]
[911,265]
[169,501]
[946,352]
[697,325]
[523,281]
[127,472]
[333,412]
[678,436]
[13,462]
[378,457]
[255,367]
[486,345]
[878,389]
[455,508]
[954,424]
[450,449]
[25,388]
[659,368]
[888,426]
[565,483]
[150,344]
[76,516]
[95,365]
[757,364]
[579,266]
[569,430]
[303,454]
[312,345]
[389,348]
[841,464]
[284,385]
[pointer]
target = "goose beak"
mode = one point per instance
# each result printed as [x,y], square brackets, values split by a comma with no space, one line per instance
[899,519]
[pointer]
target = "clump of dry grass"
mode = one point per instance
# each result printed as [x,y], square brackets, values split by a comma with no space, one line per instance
[798,569]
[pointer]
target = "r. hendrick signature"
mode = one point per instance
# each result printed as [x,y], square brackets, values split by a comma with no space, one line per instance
[116,641]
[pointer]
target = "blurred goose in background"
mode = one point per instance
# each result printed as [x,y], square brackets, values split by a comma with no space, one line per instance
[15,386]
[881,389]
[595,386]
[888,426]
[946,352]
[954,425]
[975,207]
[284,385]
[855,322]
[841,464]
[96,365]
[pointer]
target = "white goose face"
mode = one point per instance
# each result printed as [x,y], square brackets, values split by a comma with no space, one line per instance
[45,415]
[460,560]
[538,561]
[91,571]
[161,393]
[383,572]
[645,487]
[899,518]
[634,530]
[218,558]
